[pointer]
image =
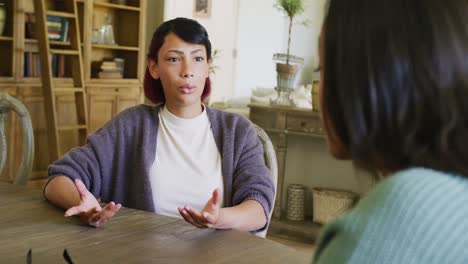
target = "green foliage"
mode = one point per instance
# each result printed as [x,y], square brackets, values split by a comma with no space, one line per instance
[214,56]
[291,7]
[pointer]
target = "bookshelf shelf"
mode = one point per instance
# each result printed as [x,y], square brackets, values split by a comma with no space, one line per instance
[60,14]
[60,43]
[64,52]
[34,81]
[30,41]
[51,42]
[3,38]
[115,6]
[115,47]
[122,81]
[31,80]
[7,80]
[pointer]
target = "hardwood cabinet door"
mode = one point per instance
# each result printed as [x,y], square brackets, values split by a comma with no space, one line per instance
[106,102]
[101,108]
[127,97]
[66,116]
[33,99]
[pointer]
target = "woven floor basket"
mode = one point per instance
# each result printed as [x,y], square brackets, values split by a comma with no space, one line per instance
[329,203]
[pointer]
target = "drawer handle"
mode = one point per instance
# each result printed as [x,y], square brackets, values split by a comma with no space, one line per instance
[303,124]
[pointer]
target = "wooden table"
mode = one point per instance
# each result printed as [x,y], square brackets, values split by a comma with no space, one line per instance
[132,236]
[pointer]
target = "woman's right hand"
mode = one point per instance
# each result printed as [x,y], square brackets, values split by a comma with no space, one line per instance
[89,209]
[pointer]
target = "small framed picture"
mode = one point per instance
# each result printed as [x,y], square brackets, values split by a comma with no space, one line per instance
[202,8]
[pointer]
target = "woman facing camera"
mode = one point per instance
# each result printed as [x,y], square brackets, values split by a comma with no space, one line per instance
[179,158]
[394,97]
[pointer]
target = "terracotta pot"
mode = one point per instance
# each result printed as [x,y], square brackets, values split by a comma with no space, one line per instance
[286,75]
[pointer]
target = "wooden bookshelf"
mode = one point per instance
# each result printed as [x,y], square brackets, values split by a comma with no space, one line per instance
[128,45]
[15,46]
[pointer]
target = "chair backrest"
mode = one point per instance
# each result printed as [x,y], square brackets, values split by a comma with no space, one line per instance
[7,104]
[271,163]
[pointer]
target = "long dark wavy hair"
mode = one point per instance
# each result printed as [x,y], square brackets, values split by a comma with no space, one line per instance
[189,31]
[395,82]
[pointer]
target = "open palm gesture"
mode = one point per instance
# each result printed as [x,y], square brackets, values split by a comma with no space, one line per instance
[89,209]
[208,217]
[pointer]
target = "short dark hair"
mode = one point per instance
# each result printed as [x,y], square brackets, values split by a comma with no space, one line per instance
[395,83]
[188,30]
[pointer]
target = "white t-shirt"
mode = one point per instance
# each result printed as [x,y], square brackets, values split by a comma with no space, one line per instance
[187,167]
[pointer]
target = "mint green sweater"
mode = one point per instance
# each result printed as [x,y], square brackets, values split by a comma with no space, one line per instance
[414,216]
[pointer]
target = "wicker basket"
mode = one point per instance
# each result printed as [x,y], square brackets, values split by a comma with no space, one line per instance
[329,203]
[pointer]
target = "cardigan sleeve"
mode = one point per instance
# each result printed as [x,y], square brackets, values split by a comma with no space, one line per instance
[90,162]
[252,179]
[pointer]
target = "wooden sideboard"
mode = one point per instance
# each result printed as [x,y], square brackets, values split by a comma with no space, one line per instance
[280,122]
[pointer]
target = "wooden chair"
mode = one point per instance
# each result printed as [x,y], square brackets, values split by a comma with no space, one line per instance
[7,104]
[271,163]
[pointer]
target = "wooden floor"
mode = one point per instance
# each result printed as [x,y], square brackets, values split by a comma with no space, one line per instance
[301,248]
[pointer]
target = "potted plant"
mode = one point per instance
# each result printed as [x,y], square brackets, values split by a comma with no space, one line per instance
[287,65]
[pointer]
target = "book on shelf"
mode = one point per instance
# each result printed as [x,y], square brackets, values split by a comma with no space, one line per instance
[30,26]
[110,74]
[27,64]
[109,68]
[32,65]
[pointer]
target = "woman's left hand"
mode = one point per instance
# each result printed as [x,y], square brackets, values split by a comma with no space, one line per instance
[208,217]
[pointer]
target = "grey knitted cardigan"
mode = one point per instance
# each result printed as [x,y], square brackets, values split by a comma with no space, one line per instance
[114,163]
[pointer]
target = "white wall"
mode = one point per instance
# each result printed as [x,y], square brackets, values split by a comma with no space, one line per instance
[154,17]
[260,35]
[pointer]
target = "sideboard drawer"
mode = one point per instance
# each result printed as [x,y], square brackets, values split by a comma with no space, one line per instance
[263,118]
[303,124]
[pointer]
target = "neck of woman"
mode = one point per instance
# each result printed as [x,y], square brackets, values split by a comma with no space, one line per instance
[187,112]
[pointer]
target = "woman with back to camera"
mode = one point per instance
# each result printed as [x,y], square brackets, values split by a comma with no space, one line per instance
[393,98]
[179,158]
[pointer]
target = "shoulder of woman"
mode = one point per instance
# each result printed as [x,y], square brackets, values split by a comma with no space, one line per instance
[413,189]
[228,119]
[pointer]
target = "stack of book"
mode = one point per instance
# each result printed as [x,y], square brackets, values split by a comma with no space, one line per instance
[57,28]
[111,70]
